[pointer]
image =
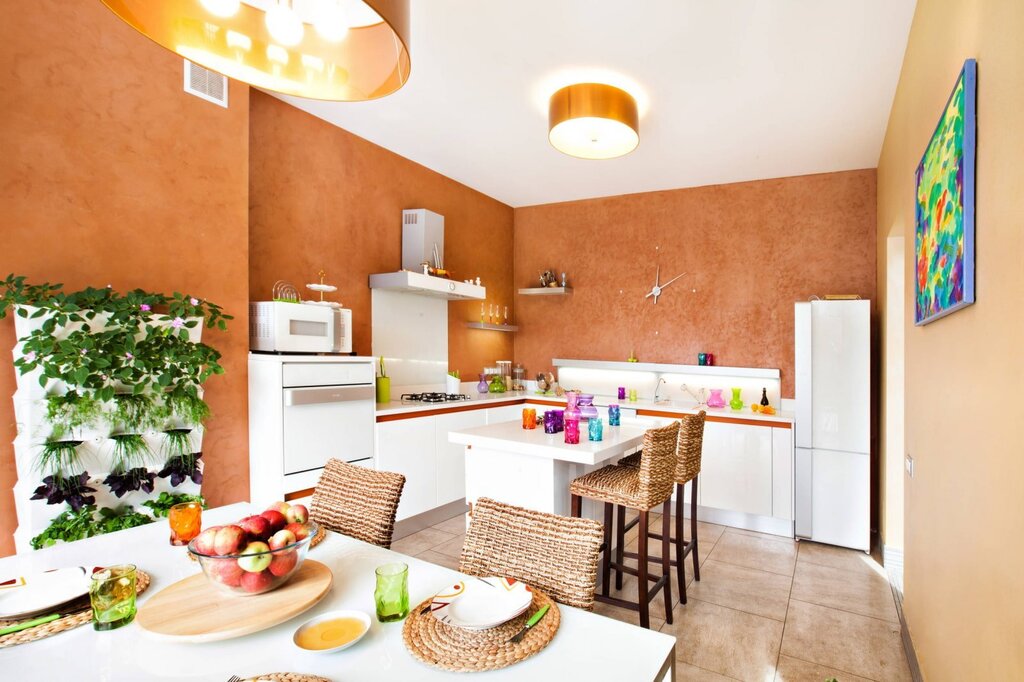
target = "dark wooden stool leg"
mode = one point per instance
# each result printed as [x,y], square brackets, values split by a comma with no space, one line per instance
[666,559]
[680,541]
[641,578]
[606,571]
[576,505]
[620,543]
[693,528]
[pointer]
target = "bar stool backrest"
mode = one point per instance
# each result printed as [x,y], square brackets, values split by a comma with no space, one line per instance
[688,451]
[658,464]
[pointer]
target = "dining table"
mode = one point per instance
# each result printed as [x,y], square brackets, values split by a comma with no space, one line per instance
[586,646]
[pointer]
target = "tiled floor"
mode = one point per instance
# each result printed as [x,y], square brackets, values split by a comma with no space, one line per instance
[766,608]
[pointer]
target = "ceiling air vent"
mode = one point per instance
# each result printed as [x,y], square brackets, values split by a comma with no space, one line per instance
[206,84]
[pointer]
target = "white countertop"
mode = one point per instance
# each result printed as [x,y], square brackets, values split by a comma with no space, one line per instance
[476,400]
[512,437]
[587,646]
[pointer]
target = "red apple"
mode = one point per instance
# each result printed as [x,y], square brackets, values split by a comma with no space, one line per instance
[282,538]
[257,582]
[283,563]
[229,540]
[300,530]
[255,557]
[205,542]
[276,519]
[256,526]
[297,513]
[281,507]
[226,572]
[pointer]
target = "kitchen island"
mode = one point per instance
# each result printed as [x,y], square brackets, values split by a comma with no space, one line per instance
[533,469]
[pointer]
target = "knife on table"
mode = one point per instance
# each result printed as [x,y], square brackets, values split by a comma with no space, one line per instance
[534,619]
[28,624]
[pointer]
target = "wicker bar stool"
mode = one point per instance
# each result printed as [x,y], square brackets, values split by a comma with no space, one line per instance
[555,554]
[357,501]
[688,452]
[643,488]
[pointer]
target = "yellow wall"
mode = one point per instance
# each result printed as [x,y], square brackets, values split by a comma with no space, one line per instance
[964,539]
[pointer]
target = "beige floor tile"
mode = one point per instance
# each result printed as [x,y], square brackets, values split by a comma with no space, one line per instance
[628,592]
[746,589]
[764,536]
[795,670]
[439,559]
[452,547]
[838,557]
[754,552]
[691,673]
[428,538]
[726,641]
[454,525]
[861,592]
[864,646]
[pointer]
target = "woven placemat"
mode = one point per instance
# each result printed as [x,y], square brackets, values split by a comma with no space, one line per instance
[80,616]
[459,650]
[289,677]
[318,537]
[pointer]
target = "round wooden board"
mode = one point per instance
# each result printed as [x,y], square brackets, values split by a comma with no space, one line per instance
[194,610]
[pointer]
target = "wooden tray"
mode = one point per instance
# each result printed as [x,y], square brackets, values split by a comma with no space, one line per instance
[194,610]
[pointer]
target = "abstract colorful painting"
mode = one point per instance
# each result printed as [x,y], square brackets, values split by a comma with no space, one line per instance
[944,234]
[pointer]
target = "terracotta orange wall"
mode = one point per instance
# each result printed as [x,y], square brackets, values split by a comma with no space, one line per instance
[749,249]
[112,175]
[321,197]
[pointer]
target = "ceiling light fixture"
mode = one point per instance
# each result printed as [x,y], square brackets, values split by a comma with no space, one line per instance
[593,121]
[362,44]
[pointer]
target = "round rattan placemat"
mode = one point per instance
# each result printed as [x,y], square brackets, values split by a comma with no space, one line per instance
[459,650]
[318,537]
[80,616]
[289,677]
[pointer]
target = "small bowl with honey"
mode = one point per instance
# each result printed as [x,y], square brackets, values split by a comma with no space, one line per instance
[332,631]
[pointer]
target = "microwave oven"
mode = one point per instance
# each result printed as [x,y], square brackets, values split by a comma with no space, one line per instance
[283,327]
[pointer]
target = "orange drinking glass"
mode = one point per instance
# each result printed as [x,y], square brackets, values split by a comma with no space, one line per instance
[529,418]
[186,520]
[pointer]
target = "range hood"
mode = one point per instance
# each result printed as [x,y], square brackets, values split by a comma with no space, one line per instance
[427,285]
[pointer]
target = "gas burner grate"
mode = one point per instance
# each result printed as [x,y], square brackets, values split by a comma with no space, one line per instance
[434,397]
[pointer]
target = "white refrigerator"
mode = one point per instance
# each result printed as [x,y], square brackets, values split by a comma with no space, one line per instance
[833,422]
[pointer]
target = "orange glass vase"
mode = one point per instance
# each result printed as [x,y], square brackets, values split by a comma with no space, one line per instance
[186,521]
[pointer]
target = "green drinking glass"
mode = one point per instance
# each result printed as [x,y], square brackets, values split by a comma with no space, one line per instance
[112,597]
[392,593]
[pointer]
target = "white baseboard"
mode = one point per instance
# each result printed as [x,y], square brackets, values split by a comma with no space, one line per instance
[892,559]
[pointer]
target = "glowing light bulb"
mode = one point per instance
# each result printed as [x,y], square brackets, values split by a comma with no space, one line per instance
[284,24]
[329,20]
[221,8]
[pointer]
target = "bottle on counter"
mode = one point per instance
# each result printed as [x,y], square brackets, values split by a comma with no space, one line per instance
[764,396]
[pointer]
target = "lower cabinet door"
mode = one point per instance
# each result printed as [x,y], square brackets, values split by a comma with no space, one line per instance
[407,446]
[841,499]
[451,457]
[736,468]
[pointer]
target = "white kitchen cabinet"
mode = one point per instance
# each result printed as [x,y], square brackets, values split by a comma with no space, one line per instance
[451,458]
[782,473]
[505,413]
[407,446]
[736,468]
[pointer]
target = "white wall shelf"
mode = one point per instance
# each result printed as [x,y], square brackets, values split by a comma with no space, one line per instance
[546,291]
[493,327]
[712,370]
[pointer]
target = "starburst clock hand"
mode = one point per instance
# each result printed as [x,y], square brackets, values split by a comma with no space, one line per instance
[657,289]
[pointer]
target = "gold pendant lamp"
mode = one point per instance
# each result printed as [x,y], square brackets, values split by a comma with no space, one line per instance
[593,121]
[339,50]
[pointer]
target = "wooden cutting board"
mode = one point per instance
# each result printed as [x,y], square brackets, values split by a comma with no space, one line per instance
[195,610]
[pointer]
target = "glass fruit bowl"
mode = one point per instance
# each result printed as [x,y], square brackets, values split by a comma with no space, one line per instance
[256,567]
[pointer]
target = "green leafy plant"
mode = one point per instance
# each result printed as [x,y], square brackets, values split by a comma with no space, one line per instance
[86,522]
[188,407]
[181,462]
[130,451]
[58,457]
[66,413]
[134,341]
[136,412]
[162,504]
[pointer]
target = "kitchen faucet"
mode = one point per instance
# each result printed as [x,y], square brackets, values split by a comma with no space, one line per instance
[658,388]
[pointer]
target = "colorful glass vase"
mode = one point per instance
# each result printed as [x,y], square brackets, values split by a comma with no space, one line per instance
[587,409]
[737,402]
[614,416]
[572,430]
[482,387]
[595,429]
[716,399]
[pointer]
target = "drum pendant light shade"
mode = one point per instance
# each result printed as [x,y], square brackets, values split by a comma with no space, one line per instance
[593,121]
[339,50]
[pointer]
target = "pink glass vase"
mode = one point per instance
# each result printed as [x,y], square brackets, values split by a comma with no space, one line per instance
[716,399]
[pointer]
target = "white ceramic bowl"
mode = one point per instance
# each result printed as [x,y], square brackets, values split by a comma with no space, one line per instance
[331,615]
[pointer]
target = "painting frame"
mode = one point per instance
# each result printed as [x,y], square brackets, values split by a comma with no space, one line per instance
[947,278]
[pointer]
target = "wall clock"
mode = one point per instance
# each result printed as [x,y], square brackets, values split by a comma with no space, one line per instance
[658,288]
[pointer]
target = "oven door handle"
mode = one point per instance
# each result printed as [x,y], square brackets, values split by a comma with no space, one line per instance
[321,395]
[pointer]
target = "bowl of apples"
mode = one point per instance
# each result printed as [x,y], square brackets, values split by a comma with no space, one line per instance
[257,554]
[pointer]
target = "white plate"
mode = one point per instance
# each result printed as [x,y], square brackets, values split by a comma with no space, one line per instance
[38,592]
[481,603]
[331,615]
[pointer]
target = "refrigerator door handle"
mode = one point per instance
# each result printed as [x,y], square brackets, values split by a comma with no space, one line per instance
[804,474]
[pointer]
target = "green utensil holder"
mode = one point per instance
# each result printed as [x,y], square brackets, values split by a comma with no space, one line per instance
[383,389]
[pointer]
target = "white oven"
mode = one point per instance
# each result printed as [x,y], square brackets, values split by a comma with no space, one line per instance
[283,327]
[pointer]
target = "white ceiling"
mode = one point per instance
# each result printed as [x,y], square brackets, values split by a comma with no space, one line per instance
[729,90]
